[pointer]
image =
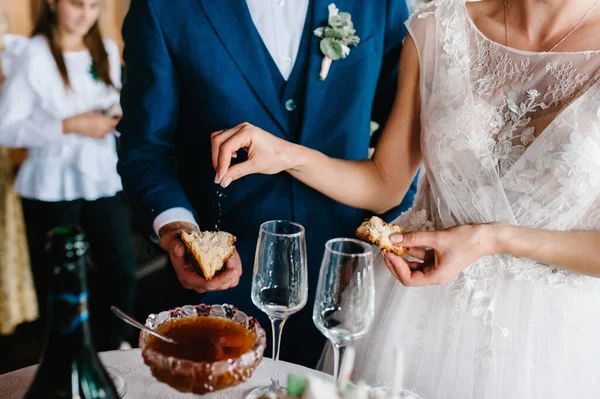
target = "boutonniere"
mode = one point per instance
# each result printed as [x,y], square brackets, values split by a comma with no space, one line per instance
[336,38]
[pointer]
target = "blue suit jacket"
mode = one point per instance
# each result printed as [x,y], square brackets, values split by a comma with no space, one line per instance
[194,67]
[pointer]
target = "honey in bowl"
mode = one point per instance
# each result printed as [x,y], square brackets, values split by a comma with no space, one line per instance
[203,339]
[218,346]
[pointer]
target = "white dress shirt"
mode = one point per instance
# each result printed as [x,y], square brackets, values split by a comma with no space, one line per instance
[33,103]
[280,24]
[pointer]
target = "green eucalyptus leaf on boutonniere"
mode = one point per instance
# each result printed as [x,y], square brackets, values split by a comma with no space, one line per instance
[340,20]
[333,33]
[331,49]
[336,21]
[336,38]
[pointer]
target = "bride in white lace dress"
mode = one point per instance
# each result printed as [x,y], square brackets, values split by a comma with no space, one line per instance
[508,134]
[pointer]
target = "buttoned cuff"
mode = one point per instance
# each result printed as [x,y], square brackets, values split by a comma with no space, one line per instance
[173,215]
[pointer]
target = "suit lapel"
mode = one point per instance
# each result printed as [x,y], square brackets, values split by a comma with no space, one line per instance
[233,24]
[315,88]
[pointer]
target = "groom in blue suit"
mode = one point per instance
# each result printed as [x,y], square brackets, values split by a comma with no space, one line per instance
[194,67]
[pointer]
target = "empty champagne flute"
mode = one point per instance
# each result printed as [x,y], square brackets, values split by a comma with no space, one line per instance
[345,301]
[279,283]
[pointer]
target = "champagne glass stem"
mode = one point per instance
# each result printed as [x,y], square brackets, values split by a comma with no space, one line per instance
[277,327]
[338,354]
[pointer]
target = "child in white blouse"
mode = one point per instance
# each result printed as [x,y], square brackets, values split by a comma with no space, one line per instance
[55,104]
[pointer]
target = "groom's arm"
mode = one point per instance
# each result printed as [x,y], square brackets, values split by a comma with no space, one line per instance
[395,33]
[147,164]
[150,102]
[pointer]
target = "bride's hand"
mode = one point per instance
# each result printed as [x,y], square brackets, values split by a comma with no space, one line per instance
[442,254]
[266,153]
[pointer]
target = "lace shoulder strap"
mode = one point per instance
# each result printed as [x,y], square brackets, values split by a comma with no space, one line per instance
[438,31]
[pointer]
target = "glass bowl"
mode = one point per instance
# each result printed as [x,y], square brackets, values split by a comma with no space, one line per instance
[203,377]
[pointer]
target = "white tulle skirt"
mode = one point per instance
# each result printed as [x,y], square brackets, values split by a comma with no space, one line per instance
[505,339]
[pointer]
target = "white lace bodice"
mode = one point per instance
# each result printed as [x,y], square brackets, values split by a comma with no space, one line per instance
[519,93]
[513,137]
[508,136]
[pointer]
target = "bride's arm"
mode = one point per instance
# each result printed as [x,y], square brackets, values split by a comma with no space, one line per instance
[454,249]
[377,184]
[578,251]
[380,183]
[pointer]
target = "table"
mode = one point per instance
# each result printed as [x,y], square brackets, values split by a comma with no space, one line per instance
[141,384]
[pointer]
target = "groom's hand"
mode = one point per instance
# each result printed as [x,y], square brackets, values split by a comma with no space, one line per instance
[182,263]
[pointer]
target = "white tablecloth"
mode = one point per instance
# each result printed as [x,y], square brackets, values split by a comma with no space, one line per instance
[141,384]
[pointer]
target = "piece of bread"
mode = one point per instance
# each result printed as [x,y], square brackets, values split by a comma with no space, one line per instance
[210,249]
[378,232]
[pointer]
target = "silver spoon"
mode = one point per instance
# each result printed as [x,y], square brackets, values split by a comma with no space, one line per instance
[131,321]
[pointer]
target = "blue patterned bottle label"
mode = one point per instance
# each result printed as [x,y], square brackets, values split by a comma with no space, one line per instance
[70,311]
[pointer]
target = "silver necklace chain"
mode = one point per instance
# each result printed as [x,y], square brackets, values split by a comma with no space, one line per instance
[561,40]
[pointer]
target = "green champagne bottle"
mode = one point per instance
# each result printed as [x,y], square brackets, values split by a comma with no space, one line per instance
[69,366]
